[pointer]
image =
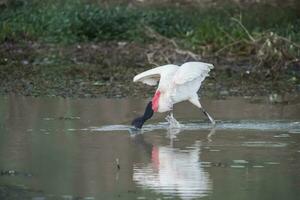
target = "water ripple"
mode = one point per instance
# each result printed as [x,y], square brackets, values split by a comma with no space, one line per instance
[278,125]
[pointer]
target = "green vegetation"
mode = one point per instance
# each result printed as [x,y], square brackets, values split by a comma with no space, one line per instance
[75,21]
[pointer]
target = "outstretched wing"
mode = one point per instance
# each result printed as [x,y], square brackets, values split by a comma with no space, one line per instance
[152,76]
[192,70]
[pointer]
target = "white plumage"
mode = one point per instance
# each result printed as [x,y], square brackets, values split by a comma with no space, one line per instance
[176,83]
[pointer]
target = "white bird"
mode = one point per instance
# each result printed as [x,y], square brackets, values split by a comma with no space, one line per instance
[176,84]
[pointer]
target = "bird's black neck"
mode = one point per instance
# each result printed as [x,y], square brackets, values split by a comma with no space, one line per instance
[148,111]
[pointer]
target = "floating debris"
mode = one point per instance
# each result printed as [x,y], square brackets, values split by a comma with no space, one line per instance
[206,164]
[294,131]
[258,166]
[8,172]
[68,118]
[237,166]
[240,161]
[264,144]
[48,118]
[284,135]
[89,198]
[218,164]
[272,163]
[14,173]
[214,150]
[118,164]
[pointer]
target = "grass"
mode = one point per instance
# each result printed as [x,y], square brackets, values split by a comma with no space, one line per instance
[227,30]
[76,21]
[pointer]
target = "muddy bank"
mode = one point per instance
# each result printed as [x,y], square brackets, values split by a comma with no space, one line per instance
[106,70]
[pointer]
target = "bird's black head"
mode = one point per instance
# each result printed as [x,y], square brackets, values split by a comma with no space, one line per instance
[139,121]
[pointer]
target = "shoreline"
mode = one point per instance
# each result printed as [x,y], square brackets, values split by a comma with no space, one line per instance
[106,70]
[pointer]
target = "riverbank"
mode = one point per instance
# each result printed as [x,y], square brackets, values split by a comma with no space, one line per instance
[106,70]
[79,49]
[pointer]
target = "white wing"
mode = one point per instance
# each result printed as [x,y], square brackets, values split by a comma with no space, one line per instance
[192,70]
[152,76]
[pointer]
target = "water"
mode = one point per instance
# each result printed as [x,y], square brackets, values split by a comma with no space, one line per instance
[53,148]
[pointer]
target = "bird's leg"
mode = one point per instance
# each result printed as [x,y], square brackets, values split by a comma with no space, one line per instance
[196,102]
[208,116]
[171,115]
[175,122]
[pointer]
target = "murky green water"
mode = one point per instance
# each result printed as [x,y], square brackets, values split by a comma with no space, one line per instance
[52,148]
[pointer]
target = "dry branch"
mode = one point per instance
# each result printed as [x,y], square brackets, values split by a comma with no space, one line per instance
[244,28]
[162,39]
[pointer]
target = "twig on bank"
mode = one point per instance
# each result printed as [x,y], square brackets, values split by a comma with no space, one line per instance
[150,59]
[153,34]
[228,46]
[244,28]
[288,41]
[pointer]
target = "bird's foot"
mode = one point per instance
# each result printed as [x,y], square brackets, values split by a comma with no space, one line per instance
[213,122]
[173,123]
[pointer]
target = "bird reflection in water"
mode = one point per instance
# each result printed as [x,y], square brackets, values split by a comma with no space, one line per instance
[173,171]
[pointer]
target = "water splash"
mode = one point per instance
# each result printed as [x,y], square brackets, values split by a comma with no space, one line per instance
[173,123]
[277,125]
